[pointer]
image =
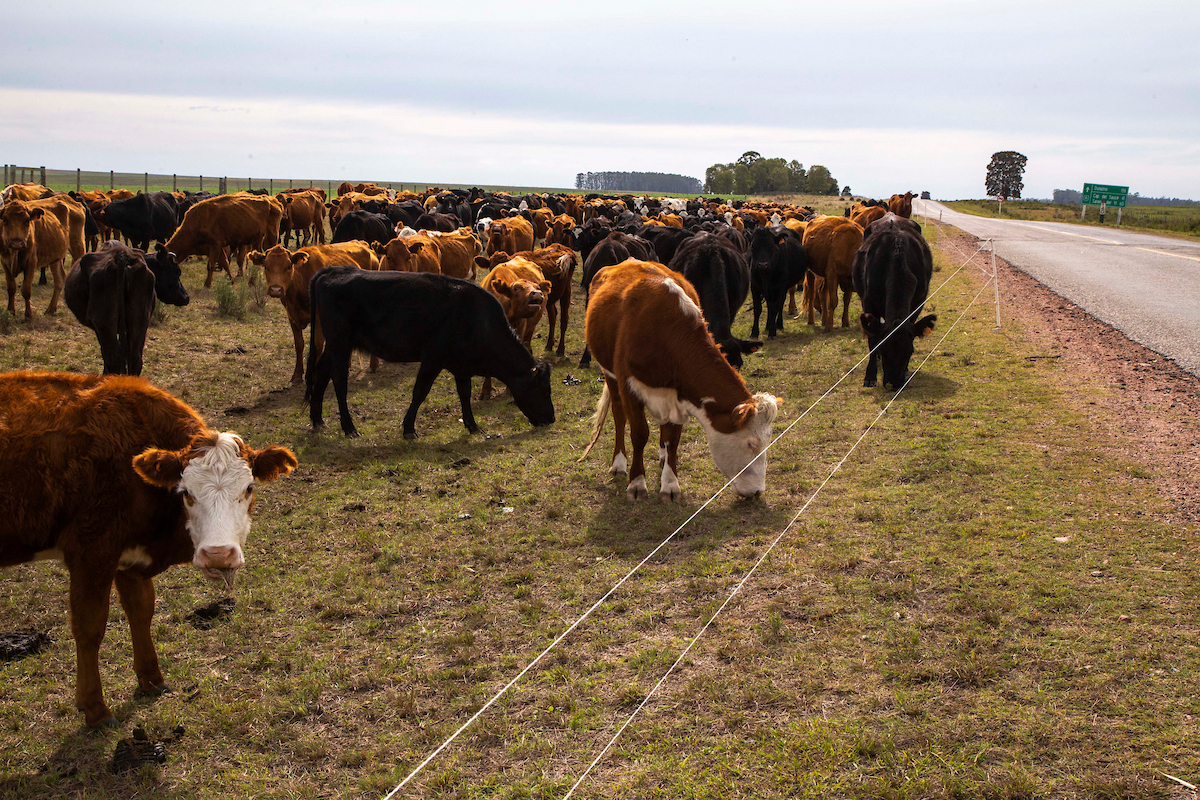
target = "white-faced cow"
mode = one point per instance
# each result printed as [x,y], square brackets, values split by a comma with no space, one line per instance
[120,480]
[645,330]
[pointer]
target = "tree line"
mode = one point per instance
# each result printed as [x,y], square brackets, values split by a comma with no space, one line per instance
[753,174]
[637,182]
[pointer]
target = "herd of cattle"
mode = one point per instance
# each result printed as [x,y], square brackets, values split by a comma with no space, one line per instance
[120,480]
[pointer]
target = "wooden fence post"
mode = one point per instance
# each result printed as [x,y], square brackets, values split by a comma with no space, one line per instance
[202,183]
[174,182]
[43,176]
[77,178]
[110,180]
[146,182]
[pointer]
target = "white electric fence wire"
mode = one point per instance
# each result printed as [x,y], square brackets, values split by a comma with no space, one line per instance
[653,552]
[766,553]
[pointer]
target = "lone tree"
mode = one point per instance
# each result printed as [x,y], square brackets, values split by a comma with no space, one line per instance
[1004,175]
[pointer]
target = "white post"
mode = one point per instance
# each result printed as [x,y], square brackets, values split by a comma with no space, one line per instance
[995,282]
[1082,211]
[1119,210]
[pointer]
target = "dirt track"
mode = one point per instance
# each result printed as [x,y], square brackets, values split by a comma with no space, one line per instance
[1148,399]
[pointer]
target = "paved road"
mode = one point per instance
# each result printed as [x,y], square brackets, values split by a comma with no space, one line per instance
[1148,287]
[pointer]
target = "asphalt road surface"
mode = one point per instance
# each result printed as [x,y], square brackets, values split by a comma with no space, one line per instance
[1147,287]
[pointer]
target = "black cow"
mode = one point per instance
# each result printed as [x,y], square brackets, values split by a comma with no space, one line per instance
[112,292]
[446,223]
[892,270]
[613,249]
[143,217]
[590,234]
[722,280]
[372,228]
[666,240]
[777,263]
[445,323]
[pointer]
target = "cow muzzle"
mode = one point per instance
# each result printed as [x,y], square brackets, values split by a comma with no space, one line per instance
[275,291]
[220,563]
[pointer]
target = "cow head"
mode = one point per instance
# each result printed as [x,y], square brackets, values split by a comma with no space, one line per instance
[520,298]
[737,441]
[16,224]
[215,475]
[278,264]
[532,395]
[168,283]
[896,351]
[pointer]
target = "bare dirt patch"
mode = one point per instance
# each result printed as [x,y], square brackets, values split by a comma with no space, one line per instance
[1147,398]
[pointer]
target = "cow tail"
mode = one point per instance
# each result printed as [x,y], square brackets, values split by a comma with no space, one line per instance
[601,414]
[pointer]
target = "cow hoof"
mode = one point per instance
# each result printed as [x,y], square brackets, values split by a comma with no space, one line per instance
[670,497]
[298,378]
[868,383]
[108,723]
[410,435]
[352,433]
[637,489]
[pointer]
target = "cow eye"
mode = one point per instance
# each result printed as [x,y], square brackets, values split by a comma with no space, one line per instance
[185,493]
[249,490]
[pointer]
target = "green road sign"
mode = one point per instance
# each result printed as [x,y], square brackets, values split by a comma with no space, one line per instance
[1096,193]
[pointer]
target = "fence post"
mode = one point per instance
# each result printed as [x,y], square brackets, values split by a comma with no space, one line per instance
[146,182]
[995,282]
[111,185]
[43,176]
[202,183]
[174,182]
[77,178]
[289,183]
[272,186]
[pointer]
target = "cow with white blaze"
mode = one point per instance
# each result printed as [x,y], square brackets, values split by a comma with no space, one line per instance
[646,331]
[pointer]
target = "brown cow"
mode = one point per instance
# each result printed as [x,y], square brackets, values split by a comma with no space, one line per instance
[521,288]
[542,217]
[831,243]
[562,231]
[862,216]
[24,191]
[345,187]
[410,254]
[457,252]
[120,480]
[901,204]
[305,211]
[557,263]
[512,235]
[32,237]
[240,222]
[287,276]
[647,333]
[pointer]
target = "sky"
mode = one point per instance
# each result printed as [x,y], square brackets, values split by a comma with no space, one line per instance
[889,96]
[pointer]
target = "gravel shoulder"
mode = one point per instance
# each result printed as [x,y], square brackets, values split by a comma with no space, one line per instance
[1149,400]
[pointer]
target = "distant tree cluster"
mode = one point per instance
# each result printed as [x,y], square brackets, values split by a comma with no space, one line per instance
[753,174]
[637,182]
[1073,197]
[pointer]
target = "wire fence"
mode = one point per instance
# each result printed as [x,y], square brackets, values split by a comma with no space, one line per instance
[87,180]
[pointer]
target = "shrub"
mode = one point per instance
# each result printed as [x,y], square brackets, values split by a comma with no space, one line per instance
[231,299]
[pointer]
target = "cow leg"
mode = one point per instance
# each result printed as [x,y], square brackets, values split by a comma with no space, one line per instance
[298,338]
[27,292]
[792,302]
[318,381]
[60,277]
[668,458]
[847,291]
[89,598]
[639,435]
[424,382]
[340,374]
[872,362]
[756,292]
[830,305]
[552,316]
[11,280]
[463,384]
[485,392]
[810,291]
[620,462]
[137,598]
[564,309]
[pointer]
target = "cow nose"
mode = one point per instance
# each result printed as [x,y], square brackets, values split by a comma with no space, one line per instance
[275,291]
[221,557]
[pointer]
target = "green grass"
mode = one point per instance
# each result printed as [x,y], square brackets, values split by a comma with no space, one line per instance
[921,632]
[1180,220]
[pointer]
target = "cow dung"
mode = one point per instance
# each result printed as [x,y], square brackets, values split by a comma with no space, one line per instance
[15,645]
[140,749]
[205,617]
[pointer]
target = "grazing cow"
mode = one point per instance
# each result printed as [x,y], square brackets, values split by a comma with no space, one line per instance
[831,243]
[365,226]
[120,480]
[112,292]
[444,323]
[511,235]
[721,278]
[287,276]
[892,271]
[32,237]
[646,329]
[777,263]
[901,204]
[143,217]
[239,222]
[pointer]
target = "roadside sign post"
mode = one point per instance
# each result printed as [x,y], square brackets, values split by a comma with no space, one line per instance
[1103,195]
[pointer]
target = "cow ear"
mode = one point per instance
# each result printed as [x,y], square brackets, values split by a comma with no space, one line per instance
[870,323]
[415,247]
[299,258]
[271,462]
[34,213]
[545,287]
[743,413]
[924,325]
[156,467]
[780,239]
[500,287]
[482,263]
[257,257]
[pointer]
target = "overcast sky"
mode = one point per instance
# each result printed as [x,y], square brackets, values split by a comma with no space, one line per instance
[888,95]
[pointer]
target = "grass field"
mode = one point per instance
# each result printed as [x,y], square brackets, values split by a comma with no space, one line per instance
[984,602]
[1181,220]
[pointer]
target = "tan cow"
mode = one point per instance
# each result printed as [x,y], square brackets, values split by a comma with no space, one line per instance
[32,237]
[830,243]
[417,253]
[901,204]
[287,276]
[557,263]
[511,234]
[239,222]
[522,289]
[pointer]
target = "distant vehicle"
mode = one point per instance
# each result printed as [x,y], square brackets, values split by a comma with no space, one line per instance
[924,195]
